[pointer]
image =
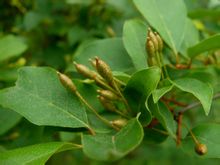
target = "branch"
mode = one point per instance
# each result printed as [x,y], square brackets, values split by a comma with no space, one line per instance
[197,104]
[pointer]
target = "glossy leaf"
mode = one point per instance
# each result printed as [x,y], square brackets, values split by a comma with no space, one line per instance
[36,154]
[200,90]
[41,98]
[134,39]
[11,46]
[160,15]
[211,43]
[158,93]
[107,147]
[109,50]
[8,119]
[207,134]
[139,88]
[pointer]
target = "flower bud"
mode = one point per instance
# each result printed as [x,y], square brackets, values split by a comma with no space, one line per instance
[104,70]
[119,122]
[160,42]
[107,104]
[108,95]
[150,48]
[67,82]
[201,149]
[84,71]
[153,38]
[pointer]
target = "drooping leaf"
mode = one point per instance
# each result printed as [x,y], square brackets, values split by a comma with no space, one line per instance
[109,50]
[134,39]
[11,46]
[107,147]
[40,97]
[200,90]
[211,43]
[139,88]
[160,15]
[8,119]
[163,114]
[35,154]
[207,134]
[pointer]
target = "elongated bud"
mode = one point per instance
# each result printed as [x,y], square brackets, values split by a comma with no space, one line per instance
[104,70]
[82,69]
[67,82]
[151,61]
[201,149]
[119,122]
[92,62]
[150,48]
[108,95]
[107,104]
[153,38]
[160,42]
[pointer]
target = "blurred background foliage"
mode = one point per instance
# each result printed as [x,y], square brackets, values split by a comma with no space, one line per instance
[51,33]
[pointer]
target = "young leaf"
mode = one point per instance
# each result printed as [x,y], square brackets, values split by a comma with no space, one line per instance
[159,14]
[200,90]
[162,113]
[207,134]
[158,93]
[107,147]
[35,154]
[109,50]
[139,88]
[134,39]
[11,46]
[8,119]
[211,43]
[40,97]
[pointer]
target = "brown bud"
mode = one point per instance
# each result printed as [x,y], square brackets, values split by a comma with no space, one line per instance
[160,42]
[82,69]
[119,122]
[104,70]
[201,149]
[153,38]
[150,48]
[107,104]
[108,95]
[67,82]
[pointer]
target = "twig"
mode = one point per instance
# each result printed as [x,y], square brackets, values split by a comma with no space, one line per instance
[196,104]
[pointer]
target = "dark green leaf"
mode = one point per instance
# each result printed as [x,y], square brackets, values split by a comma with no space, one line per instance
[211,43]
[158,93]
[134,39]
[109,50]
[8,119]
[40,97]
[36,154]
[139,88]
[11,46]
[200,90]
[108,147]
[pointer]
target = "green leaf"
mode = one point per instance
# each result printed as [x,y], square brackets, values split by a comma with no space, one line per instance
[160,15]
[110,50]
[163,114]
[8,119]
[134,39]
[212,43]
[158,93]
[139,88]
[41,98]
[36,154]
[207,134]
[200,90]
[112,147]
[11,46]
